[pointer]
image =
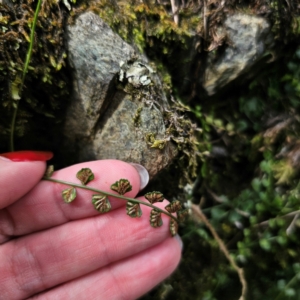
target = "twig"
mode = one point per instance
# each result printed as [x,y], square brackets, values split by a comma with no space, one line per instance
[287,216]
[175,11]
[196,209]
[205,20]
[291,227]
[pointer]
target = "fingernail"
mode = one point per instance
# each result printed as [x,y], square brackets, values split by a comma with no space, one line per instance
[178,238]
[144,175]
[27,155]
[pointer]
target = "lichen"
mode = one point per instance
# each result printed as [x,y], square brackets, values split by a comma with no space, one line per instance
[179,129]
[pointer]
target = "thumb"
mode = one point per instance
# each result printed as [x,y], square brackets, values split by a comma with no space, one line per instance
[18,177]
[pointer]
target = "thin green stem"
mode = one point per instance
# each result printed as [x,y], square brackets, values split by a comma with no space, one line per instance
[12,127]
[29,52]
[112,195]
[25,69]
[292,282]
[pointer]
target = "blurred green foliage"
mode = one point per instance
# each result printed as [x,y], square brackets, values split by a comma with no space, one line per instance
[249,189]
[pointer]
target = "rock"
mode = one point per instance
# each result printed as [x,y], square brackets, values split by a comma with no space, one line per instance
[248,39]
[116,110]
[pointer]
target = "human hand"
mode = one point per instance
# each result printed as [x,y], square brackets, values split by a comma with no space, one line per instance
[53,250]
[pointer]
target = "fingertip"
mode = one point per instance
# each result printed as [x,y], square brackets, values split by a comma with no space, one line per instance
[3,158]
[16,179]
[179,240]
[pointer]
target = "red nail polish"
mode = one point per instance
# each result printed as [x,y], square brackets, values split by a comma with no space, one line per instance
[28,155]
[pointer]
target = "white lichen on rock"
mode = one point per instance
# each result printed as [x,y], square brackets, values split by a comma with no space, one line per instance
[138,73]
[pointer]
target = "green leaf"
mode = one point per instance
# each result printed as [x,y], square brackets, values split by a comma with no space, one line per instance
[133,209]
[121,186]
[174,206]
[218,213]
[15,88]
[256,184]
[69,194]
[85,175]
[101,203]
[155,218]
[154,197]
[283,171]
[173,227]
[265,244]
[52,61]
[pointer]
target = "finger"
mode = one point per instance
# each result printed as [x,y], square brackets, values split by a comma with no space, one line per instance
[17,178]
[126,279]
[45,259]
[43,207]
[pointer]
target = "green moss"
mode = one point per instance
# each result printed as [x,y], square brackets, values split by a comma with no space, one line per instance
[137,117]
[146,24]
[44,85]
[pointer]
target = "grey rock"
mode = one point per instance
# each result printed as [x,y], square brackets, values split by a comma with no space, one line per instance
[248,39]
[94,53]
[117,107]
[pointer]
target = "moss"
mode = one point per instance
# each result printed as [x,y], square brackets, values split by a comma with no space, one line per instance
[179,129]
[147,24]
[137,117]
[46,82]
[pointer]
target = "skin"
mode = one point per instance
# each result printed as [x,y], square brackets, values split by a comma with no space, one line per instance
[53,250]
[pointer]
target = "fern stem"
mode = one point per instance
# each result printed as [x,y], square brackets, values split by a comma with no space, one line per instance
[112,195]
[25,69]
[12,127]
